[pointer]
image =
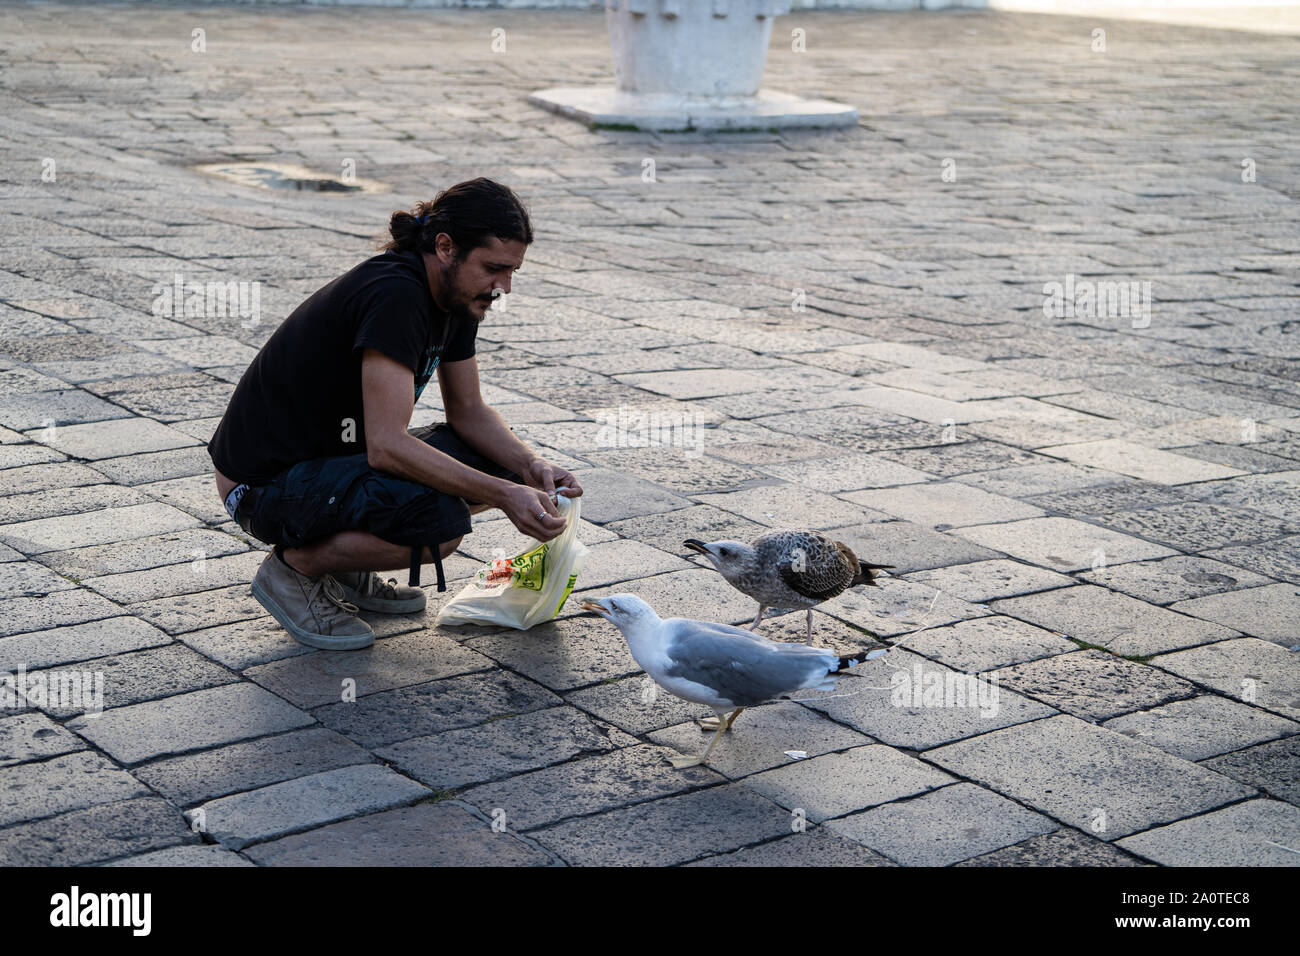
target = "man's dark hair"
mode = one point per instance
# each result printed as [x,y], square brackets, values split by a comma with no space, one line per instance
[470,212]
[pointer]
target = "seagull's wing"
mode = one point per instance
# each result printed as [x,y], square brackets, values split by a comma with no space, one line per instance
[742,667]
[822,570]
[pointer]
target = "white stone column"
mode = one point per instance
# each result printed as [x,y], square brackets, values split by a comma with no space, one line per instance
[691,64]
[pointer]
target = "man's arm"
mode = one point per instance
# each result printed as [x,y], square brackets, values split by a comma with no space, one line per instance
[389,397]
[484,430]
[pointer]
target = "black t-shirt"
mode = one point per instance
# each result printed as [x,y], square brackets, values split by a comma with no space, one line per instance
[300,398]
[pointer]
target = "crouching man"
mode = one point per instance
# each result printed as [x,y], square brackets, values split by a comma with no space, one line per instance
[315,454]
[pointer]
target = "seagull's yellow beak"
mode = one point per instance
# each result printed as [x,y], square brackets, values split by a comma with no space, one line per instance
[596,607]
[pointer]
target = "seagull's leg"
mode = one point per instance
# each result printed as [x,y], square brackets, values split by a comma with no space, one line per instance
[810,640]
[711,723]
[758,617]
[682,763]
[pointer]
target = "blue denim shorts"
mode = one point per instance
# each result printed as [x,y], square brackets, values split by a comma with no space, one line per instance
[319,498]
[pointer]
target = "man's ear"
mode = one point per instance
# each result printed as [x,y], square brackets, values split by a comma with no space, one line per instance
[446,248]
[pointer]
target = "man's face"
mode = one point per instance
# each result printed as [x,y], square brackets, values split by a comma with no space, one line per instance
[467,285]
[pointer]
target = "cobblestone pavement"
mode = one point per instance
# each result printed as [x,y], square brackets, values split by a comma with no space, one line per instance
[1099,510]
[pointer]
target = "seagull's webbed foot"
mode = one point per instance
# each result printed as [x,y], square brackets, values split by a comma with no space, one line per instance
[681,763]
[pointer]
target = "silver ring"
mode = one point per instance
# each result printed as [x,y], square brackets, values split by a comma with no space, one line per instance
[541,515]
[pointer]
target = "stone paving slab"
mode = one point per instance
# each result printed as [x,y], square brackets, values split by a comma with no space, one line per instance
[501,748]
[816,846]
[96,834]
[202,718]
[846,473]
[206,855]
[193,778]
[1064,847]
[181,613]
[840,783]
[1254,833]
[30,791]
[775,507]
[587,786]
[1271,612]
[25,614]
[1093,684]
[78,642]
[244,644]
[1273,767]
[1201,727]
[137,676]
[1167,580]
[428,834]
[302,803]
[980,581]
[1062,544]
[139,554]
[396,715]
[866,702]
[1093,779]
[911,547]
[99,527]
[198,572]
[667,530]
[1120,624]
[636,705]
[112,438]
[988,644]
[33,736]
[1197,526]
[944,504]
[1254,671]
[311,680]
[615,562]
[765,739]
[562,655]
[942,827]
[717,820]
[1149,464]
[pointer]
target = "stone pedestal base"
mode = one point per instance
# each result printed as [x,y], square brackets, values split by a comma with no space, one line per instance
[606,106]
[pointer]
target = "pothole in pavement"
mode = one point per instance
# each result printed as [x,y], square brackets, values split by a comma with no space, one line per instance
[283,176]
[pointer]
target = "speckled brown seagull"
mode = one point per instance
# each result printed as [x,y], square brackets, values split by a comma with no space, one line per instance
[797,569]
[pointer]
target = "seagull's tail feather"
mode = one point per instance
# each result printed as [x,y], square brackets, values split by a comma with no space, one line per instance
[865,576]
[850,660]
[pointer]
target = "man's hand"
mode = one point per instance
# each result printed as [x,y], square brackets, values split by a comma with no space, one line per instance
[532,512]
[541,474]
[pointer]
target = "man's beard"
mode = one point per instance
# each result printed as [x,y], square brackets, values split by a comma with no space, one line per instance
[457,310]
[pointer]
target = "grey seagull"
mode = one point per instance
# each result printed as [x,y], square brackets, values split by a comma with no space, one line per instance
[797,569]
[723,667]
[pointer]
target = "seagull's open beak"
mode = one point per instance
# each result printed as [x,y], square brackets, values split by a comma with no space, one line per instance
[595,607]
[695,544]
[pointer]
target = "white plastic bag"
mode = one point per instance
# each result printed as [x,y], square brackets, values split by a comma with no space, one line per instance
[527,589]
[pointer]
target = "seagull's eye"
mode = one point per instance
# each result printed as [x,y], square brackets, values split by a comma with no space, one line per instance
[724,551]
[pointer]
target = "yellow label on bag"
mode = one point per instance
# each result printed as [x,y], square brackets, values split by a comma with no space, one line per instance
[568,589]
[531,566]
